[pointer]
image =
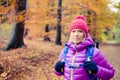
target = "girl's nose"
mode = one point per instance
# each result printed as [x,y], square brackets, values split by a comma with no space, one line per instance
[76,33]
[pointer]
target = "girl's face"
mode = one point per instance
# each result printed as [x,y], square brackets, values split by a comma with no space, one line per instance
[77,36]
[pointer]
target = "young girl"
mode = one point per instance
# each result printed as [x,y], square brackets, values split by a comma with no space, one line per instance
[75,66]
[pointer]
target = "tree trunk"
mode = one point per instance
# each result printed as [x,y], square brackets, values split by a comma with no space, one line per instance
[16,39]
[47,28]
[58,28]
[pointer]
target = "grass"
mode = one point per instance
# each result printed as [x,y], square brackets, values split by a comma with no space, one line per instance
[5,30]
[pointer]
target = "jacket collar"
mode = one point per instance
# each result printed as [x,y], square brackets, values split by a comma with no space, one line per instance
[81,46]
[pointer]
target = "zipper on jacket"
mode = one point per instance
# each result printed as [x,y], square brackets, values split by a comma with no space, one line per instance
[71,70]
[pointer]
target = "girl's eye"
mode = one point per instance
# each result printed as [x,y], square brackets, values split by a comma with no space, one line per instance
[73,31]
[80,31]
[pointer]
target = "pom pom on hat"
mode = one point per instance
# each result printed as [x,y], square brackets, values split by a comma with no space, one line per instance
[80,17]
[79,23]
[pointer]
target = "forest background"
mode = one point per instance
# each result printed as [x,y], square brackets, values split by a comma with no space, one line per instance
[103,23]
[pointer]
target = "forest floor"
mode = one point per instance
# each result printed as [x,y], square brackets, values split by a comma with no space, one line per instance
[36,61]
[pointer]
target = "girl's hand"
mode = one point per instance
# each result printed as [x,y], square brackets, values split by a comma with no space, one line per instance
[59,66]
[91,66]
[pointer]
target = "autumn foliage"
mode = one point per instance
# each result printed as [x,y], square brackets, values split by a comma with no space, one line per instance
[42,12]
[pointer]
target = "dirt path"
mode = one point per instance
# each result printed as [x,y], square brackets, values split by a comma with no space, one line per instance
[112,52]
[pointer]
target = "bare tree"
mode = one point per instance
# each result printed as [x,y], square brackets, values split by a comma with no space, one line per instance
[58,27]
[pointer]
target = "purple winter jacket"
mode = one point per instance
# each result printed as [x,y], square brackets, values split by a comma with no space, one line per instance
[105,69]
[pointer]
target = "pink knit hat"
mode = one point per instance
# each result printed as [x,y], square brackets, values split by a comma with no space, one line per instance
[79,23]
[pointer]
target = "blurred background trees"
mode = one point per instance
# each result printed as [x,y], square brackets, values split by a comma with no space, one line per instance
[103,23]
[16,38]
[116,27]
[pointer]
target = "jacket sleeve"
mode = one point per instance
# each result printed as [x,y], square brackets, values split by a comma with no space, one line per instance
[60,59]
[105,69]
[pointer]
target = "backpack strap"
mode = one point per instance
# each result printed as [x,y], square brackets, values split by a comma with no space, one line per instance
[65,52]
[89,53]
[89,56]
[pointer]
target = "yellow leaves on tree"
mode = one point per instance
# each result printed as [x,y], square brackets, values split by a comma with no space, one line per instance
[7,10]
[42,12]
[39,15]
[20,17]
